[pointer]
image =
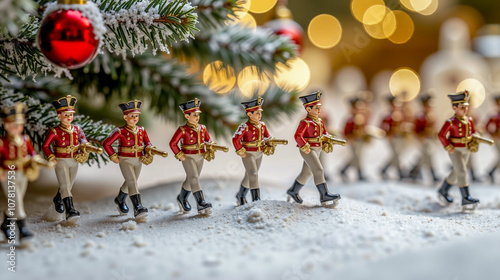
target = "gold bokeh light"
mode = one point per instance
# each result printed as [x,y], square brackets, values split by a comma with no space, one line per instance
[384,29]
[476,90]
[324,31]
[241,12]
[430,9]
[404,84]
[261,6]
[247,20]
[404,28]
[218,78]
[359,7]
[251,87]
[296,76]
[249,74]
[375,14]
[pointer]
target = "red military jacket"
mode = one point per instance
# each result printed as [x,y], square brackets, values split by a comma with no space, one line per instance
[460,132]
[310,131]
[12,153]
[191,140]
[493,125]
[355,127]
[131,142]
[66,141]
[250,137]
[392,123]
[424,124]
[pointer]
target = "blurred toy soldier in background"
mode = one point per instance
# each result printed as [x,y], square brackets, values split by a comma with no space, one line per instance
[355,133]
[250,141]
[67,140]
[132,143]
[195,145]
[459,138]
[312,137]
[426,133]
[392,124]
[493,128]
[18,164]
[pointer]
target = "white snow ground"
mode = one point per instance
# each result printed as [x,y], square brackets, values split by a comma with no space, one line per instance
[379,231]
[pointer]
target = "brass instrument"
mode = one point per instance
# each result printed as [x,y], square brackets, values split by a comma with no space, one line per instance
[150,152]
[32,166]
[328,142]
[473,145]
[210,150]
[271,144]
[85,150]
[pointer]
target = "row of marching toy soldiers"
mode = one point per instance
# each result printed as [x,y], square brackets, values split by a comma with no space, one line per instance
[66,146]
[396,126]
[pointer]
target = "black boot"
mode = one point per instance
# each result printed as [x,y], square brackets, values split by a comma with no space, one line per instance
[360,175]
[443,196]
[120,201]
[343,173]
[434,177]
[23,231]
[182,200]
[7,228]
[492,174]
[255,194]
[325,196]
[415,173]
[293,192]
[203,206]
[383,172]
[58,203]
[240,196]
[468,202]
[71,213]
[139,210]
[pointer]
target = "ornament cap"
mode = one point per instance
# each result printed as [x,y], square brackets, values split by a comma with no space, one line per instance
[72,2]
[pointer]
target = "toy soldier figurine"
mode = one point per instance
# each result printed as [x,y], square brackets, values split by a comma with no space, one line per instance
[425,131]
[195,145]
[250,141]
[132,143]
[459,138]
[392,124]
[68,140]
[356,135]
[312,137]
[18,164]
[493,127]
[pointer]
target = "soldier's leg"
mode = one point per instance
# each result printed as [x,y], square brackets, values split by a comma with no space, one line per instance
[202,206]
[251,170]
[192,182]
[21,184]
[469,203]
[314,165]
[128,169]
[63,176]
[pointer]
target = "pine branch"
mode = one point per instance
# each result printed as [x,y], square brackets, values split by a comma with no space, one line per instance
[133,24]
[214,14]
[14,14]
[161,81]
[42,116]
[239,47]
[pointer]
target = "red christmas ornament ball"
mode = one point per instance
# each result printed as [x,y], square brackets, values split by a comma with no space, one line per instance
[67,39]
[288,27]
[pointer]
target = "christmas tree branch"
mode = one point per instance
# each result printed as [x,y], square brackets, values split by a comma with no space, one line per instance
[13,14]
[214,14]
[239,47]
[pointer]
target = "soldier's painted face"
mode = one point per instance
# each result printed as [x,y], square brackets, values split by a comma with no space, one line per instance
[314,111]
[461,110]
[255,116]
[193,118]
[131,119]
[14,129]
[66,118]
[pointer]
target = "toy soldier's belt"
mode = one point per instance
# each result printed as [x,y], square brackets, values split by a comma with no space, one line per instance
[133,149]
[67,150]
[194,147]
[462,140]
[253,144]
[314,140]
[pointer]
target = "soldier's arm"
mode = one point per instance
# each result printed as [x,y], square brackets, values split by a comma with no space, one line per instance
[174,143]
[208,140]
[81,136]
[442,135]
[147,142]
[238,135]
[473,129]
[51,136]
[113,136]
[266,132]
[299,136]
